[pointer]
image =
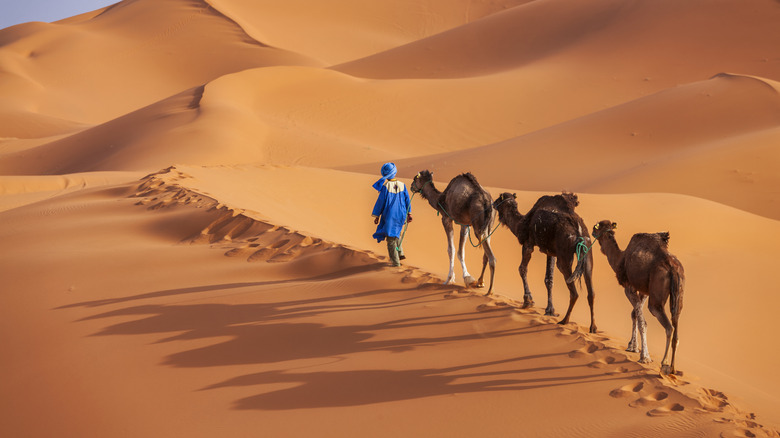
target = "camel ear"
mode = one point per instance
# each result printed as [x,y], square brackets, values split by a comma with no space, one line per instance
[614,225]
[514,195]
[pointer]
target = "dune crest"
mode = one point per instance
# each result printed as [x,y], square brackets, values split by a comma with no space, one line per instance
[241,234]
[716,118]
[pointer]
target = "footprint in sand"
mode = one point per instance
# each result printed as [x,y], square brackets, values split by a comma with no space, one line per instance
[601,363]
[618,370]
[282,257]
[262,255]
[627,390]
[744,433]
[565,332]
[493,306]
[457,294]
[666,410]
[649,399]
[745,427]
[241,251]
[713,400]
[584,351]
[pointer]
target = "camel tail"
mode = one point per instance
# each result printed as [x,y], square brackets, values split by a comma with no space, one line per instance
[677,282]
[577,274]
[488,218]
[581,251]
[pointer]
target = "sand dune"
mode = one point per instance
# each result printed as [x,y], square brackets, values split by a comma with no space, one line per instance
[663,41]
[298,330]
[185,193]
[182,44]
[634,146]
[345,30]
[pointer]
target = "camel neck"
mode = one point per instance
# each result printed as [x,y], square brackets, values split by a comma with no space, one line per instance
[609,247]
[430,194]
[511,217]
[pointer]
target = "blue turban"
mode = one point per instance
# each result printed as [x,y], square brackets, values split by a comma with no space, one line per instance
[388,172]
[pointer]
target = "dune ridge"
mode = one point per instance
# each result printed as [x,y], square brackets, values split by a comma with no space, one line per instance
[244,236]
[643,142]
[241,234]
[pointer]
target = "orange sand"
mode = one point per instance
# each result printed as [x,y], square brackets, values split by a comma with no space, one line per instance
[185,216]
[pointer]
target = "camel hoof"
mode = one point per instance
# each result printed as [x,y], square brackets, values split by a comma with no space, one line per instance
[593,329]
[563,322]
[666,370]
[469,281]
[632,349]
[527,304]
[550,312]
[645,360]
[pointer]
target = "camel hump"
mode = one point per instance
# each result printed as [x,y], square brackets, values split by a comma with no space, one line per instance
[565,202]
[571,199]
[471,178]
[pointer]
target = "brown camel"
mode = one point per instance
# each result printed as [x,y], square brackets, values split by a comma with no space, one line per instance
[554,227]
[466,203]
[646,270]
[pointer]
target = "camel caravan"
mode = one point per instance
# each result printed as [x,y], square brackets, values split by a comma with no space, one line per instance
[645,269]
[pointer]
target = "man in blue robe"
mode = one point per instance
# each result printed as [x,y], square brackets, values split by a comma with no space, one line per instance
[392,210]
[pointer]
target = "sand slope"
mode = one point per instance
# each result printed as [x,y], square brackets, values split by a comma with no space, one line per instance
[307,327]
[723,129]
[185,216]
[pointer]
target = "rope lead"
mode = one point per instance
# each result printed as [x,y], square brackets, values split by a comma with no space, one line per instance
[583,248]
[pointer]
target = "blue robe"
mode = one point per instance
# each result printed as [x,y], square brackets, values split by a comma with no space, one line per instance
[392,206]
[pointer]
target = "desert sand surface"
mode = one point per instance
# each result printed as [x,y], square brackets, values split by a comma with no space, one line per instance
[185,217]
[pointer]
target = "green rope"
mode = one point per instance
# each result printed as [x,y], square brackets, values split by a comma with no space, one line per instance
[406,222]
[409,210]
[582,248]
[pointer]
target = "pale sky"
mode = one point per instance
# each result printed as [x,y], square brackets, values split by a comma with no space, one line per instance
[20,11]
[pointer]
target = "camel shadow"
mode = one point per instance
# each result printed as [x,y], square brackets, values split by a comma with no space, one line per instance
[285,322]
[346,272]
[361,387]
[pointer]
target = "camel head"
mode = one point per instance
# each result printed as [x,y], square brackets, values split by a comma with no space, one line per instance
[420,180]
[604,227]
[505,198]
[505,204]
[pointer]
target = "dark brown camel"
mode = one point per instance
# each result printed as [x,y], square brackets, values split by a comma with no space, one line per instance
[466,203]
[646,270]
[554,227]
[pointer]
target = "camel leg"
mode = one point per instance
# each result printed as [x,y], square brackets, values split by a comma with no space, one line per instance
[676,285]
[588,274]
[485,259]
[657,309]
[635,300]
[675,340]
[565,269]
[644,353]
[450,249]
[489,257]
[528,300]
[481,279]
[548,281]
[467,278]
